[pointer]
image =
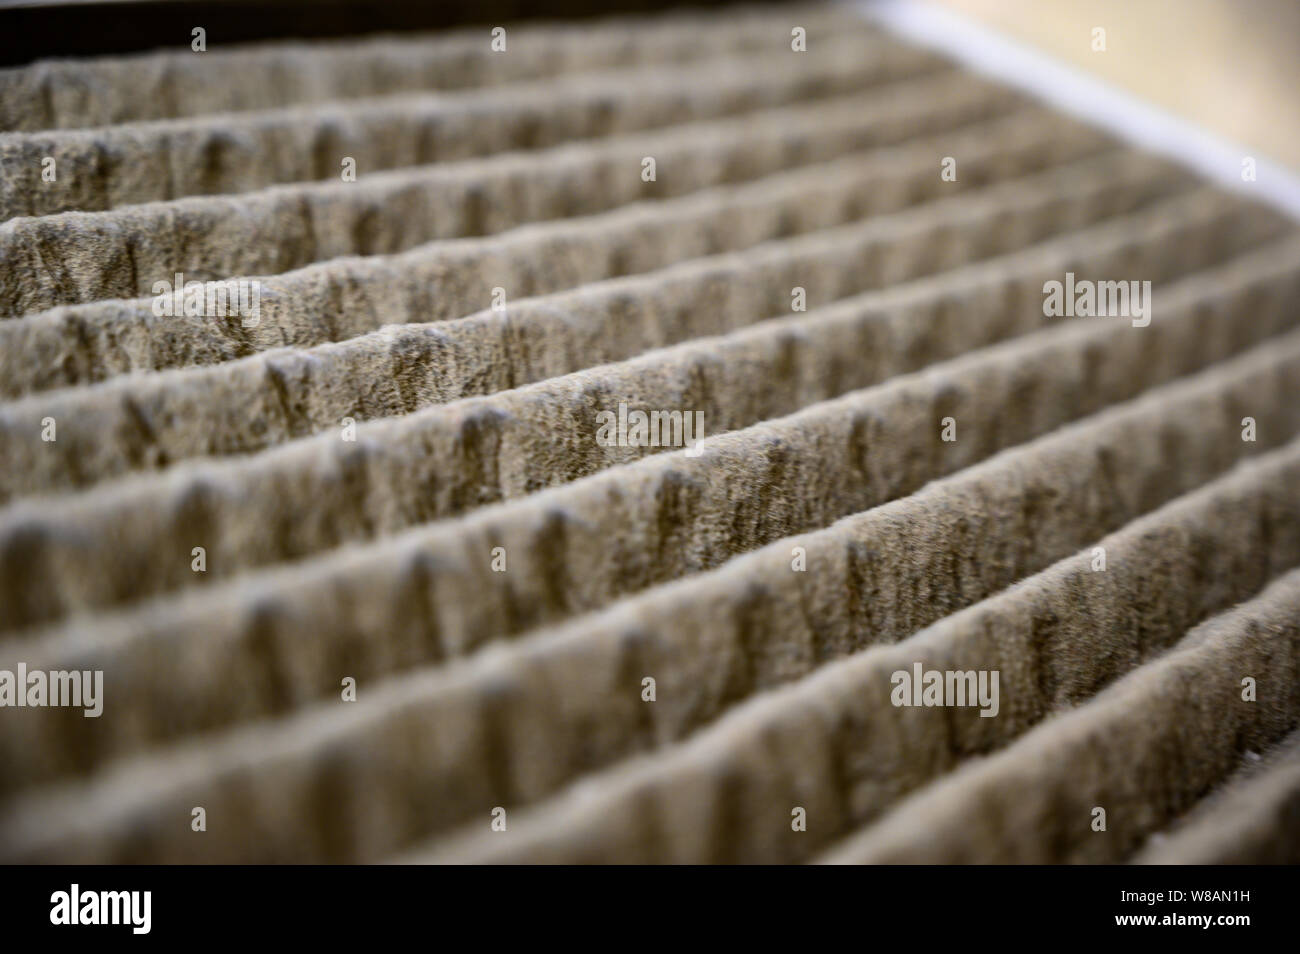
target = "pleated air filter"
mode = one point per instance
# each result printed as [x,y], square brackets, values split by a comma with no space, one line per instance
[732,436]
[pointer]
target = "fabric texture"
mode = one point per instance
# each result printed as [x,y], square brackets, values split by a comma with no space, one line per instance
[369,580]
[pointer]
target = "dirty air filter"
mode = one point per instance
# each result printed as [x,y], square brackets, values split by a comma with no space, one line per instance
[707,436]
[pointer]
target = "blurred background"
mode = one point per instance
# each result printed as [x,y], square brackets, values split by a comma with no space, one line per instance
[1232,66]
